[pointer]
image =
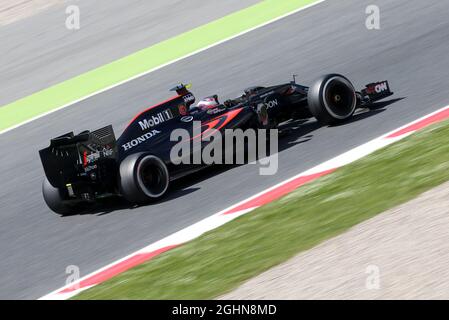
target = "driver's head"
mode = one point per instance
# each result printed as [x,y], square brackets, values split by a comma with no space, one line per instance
[208,103]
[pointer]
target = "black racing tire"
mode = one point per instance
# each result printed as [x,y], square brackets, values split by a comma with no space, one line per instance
[144,178]
[332,99]
[54,198]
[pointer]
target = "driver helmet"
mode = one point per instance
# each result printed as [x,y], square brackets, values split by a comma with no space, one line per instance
[208,103]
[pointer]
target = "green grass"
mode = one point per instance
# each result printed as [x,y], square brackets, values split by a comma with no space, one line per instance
[225,257]
[144,60]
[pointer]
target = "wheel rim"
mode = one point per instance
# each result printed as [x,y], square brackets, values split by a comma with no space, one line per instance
[152,176]
[339,98]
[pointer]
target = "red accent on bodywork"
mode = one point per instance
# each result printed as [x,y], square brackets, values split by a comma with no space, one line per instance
[117,268]
[278,192]
[182,109]
[218,123]
[370,89]
[85,159]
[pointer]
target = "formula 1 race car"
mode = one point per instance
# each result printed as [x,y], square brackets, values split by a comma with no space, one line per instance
[138,166]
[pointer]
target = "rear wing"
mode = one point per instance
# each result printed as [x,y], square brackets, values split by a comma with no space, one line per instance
[70,158]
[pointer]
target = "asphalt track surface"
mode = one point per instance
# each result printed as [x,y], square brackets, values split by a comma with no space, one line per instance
[40,51]
[410,50]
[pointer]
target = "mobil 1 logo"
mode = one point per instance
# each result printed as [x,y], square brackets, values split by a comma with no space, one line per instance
[156,119]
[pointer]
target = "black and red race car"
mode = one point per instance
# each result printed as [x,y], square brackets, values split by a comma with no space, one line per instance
[84,168]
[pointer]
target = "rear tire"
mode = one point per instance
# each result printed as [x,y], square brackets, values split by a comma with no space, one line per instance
[54,199]
[332,99]
[143,178]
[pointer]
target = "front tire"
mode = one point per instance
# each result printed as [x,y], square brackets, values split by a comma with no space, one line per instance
[143,178]
[54,198]
[332,99]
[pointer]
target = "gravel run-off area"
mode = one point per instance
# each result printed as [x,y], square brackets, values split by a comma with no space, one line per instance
[400,254]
